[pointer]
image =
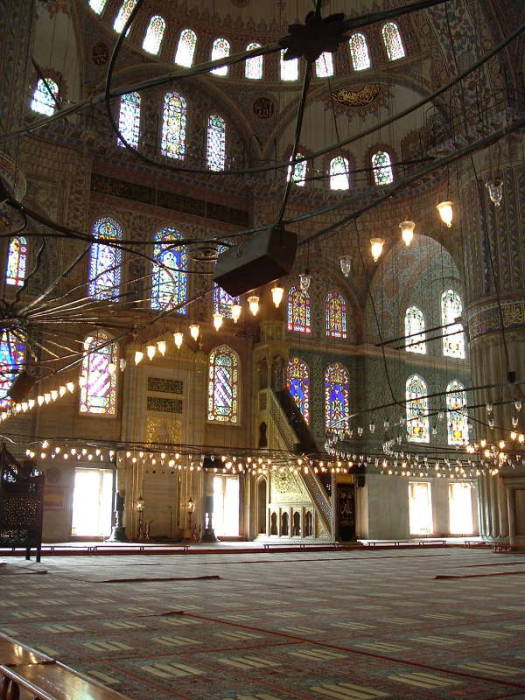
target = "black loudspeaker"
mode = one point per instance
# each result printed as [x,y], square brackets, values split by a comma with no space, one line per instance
[361,480]
[263,258]
[21,387]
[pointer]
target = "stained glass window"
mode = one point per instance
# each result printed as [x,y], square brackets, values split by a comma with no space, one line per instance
[415,330]
[298,385]
[417,410]
[454,339]
[122,17]
[336,399]
[97,5]
[289,69]
[186,48]
[220,49]
[216,142]
[393,41]
[254,66]
[154,34]
[129,118]
[16,261]
[299,311]
[98,395]
[359,51]
[335,315]
[339,177]
[324,66]
[382,168]
[222,301]
[43,101]
[169,282]
[223,385]
[173,142]
[457,419]
[12,352]
[299,172]
[105,261]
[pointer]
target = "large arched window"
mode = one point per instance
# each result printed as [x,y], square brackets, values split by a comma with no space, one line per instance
[289,69]
[382,168]
[174,114]
[298,385]
[393,41]
[336,398]
[98,393]
[129,118]
[154,34]
[122,17]
[186,48]
[453,338]
[105,261]
[169,282]
[98,6]
[417,409]
[223,385]
[299,311]
[44,96]
[415,330]
[335,315]
[324,66]
[16,261]
[299,171]
[220,49]
[457,419]
[216,143]
[253,67]
[339,173]
[359,51]
[12,352]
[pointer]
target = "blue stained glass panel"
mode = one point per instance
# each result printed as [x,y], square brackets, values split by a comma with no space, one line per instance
[105,261]
[298,385]
[169,285]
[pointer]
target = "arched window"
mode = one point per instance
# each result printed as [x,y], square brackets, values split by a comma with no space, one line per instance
[223,385]
[289,69]
[457,419]
[169,282]
[336,398]
[335,315]
[122,17]
[44,96]
[359,51]
[324,66]
[454,339]
[173,141]
[417,409]
[393,41]
[12,353]
[415,330]
[299,172]
[154,34]
[339,177]
[299,311]
[129,119]
[220,49]
[16,261]
[298,385]
[105,261]
[186,48]
[98,6]
[216,143]
[98,395]
[382,168]
[222,301]
[253,67]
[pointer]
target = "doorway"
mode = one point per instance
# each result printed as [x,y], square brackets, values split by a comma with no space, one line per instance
[261,507]
[420,508]
[226,506]
[460,508]
[92,503]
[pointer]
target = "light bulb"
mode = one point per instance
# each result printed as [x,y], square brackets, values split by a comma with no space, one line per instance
[112,368]
[304,281]
[217,321]
[161,346]
[178,337]
[253,303]
[47,397]
[446,212]
[345,261]
[277,295]
[31,404]
[70,386]
[150,351]
[495,189]
[139,356]
[54,395]
[122,364]
[407,232]
[376,247]
[194,331]
[62,390]
[236,312]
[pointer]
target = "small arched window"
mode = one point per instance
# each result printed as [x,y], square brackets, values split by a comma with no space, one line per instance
[105,261]
[186,48]
[299,311]
[339,173]
[298,385]
[169,282]
[220,49]
[253,68]
[12,353]
[44,97]
[324,66]
[457,419]
[98,6]
[216,143]
[359,51]
[417,409]
[382,168]
[335,315]
[16,261]
[123,14]
[336,398]
[415,331]
[299,172]
[154,35]
[174,115]
[223,385]
[453,336]
[289,69]
[98,393]
[129,119]
[393,41]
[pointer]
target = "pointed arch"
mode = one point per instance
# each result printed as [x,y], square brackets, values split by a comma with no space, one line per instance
[44,96]
[336,398]
[223,385]
[298,385]
[123,14]
[254,67]
[457,419]
[299,172]
[220,49]
[382,168]
[105,261]
[216,143]
[299,311]
[359,51]
[324,66]
[98,393]
[186,48]
[418,429]
[12,354]
[339,173]
[169,281]
[129,119]
[289,69]
[454,338]
[393,41]
[415,331]
[154,35]
[16,261]
[174,118]
[335,315]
